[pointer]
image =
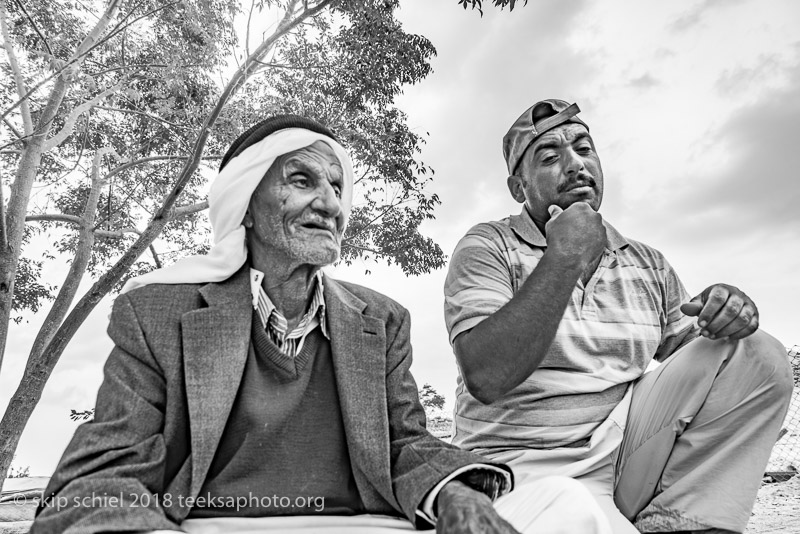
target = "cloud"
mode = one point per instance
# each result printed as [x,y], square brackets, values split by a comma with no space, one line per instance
[694,15]
[645,81]
[756,190]
[734,82]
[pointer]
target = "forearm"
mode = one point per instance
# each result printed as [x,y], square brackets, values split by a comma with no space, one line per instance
[518,335]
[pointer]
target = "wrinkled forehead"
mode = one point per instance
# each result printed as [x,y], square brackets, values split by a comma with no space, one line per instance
[565,133]
[317,152]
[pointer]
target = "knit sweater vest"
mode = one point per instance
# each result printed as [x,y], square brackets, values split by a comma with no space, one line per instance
[283,451]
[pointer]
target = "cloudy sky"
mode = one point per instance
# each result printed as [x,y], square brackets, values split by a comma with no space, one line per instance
[694,107]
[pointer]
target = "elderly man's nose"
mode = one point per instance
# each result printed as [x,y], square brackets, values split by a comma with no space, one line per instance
[327,201]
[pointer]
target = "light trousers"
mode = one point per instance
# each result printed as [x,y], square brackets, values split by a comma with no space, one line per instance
[695,440]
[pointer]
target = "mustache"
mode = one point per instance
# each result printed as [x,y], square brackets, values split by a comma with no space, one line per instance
[583,180]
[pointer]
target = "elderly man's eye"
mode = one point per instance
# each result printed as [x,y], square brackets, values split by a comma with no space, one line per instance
[300,180]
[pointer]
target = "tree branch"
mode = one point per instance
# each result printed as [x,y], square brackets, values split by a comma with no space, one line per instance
[139,66]
[35,28]
[77,221]
[14,130]
[152,117]
[116,234]
[182,211]
[155,256]
[69,123]
[3,234]
[365,249]
[142,161]
[19,80]
[291,67]
[55,217]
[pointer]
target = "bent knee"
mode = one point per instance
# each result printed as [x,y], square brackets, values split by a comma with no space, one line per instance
[768,360]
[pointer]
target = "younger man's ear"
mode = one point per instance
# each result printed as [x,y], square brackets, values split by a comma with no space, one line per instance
[515,187]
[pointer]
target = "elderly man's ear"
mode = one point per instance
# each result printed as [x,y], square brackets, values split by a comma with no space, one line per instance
[247,221]
[516,188]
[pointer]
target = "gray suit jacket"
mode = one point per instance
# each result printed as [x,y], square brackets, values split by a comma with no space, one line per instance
[169,386]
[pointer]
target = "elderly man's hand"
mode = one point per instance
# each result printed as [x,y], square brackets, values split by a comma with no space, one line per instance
[462,509]
[723,312]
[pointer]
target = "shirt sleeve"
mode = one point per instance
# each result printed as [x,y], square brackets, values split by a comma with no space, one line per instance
[479,280]
[679,329]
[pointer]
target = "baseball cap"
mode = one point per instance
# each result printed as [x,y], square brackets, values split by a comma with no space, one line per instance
[536,120]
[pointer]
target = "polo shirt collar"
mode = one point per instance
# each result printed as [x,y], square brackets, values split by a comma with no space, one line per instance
[527,230]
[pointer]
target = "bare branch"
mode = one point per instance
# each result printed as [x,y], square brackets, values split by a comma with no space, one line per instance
[137,66]
[35,28]
[17,152]
[69,123]
[155,256]
[118,234]
[182,211]
[142,113]
[14,130]
[291,67]
[365,249]
[98,161]
[142,161]
[19,80]
[363,176]
[77,221]
[55,217]
[3,233]
[247,34]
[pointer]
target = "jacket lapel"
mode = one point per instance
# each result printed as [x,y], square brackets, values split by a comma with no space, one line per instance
[216,341]
[358,348]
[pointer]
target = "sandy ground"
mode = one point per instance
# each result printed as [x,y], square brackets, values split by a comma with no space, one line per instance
[777,509]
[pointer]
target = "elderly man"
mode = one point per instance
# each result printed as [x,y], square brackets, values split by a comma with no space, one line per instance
[555,318]
[248,392]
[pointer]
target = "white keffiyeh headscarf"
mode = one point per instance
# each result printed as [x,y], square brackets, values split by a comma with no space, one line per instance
[228,201]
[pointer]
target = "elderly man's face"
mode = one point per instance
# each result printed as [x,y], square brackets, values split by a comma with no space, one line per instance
[297,211]
[561,168]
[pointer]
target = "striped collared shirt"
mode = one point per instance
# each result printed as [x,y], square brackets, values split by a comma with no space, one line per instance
[613,326]
[290,343]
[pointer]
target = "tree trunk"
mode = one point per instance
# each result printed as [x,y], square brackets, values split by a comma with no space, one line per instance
[25,176]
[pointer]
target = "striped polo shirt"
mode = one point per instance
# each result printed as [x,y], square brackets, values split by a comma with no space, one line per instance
[626,315]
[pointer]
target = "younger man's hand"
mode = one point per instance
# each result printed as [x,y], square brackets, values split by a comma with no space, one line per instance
[463,510]
[723,312]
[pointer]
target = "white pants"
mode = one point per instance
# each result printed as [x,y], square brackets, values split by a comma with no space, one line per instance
[550,505]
